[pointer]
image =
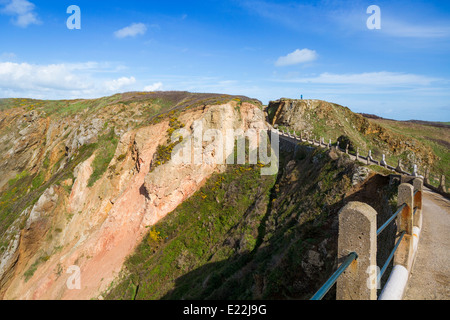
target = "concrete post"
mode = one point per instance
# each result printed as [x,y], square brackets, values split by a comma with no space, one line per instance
[427,174]
[442,187]
[357,154]
[399,166]
[369,157]
[415,173]
[405,224]
[418,189]
[357,233]
[346,149]
[329,144]
[383,161]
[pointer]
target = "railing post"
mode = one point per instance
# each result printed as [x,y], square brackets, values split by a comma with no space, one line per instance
[442,187]
[418,189]
[427,175]
[383,161]
[399,166]
[369,157]
[357,233]
[405,224]
[415,173]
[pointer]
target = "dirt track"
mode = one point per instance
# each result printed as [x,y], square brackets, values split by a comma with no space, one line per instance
[430,279]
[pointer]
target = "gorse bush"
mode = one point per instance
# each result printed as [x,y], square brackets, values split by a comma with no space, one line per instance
[164,152]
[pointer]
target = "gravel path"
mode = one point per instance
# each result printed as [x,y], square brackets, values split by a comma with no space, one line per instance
[430,277]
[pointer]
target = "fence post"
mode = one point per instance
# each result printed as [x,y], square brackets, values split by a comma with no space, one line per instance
[405,224]
[418,189]
[357,233]
[383,161]
[399,167]
[427,175]
[442,187]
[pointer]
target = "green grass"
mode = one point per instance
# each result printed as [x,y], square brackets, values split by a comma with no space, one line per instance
[105,150]
[239,227]
[436,138]
[32,269]
[340,121]
[189,235]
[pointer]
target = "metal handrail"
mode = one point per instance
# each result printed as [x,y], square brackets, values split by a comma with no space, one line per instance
[332,280]
[391,219]
[386,264]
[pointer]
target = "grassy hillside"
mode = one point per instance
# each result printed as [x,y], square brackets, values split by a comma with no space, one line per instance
[418,143]
[244,236]
[434,136]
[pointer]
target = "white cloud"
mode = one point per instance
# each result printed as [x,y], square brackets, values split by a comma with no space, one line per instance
[119,84]
[22,12]
[297,57]
[132,30]
[28,76]
[61,81]
[154,87]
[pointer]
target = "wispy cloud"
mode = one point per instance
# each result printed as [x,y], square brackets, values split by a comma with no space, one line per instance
[378,79]
[348,18]
[297,57]
[22,11]
[403,29]
[132,30]
[8,56]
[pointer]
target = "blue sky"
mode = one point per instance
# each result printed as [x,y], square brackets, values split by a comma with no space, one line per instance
[261,49]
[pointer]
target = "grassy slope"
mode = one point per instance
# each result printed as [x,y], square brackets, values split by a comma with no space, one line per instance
[435,137]
[243,236]
[345,122]
[192,236]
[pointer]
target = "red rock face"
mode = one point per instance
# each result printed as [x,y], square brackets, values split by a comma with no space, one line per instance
[99,227]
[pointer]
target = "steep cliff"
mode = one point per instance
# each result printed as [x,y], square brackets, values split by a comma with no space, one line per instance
[78,186]
[247,236]
[92,186]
